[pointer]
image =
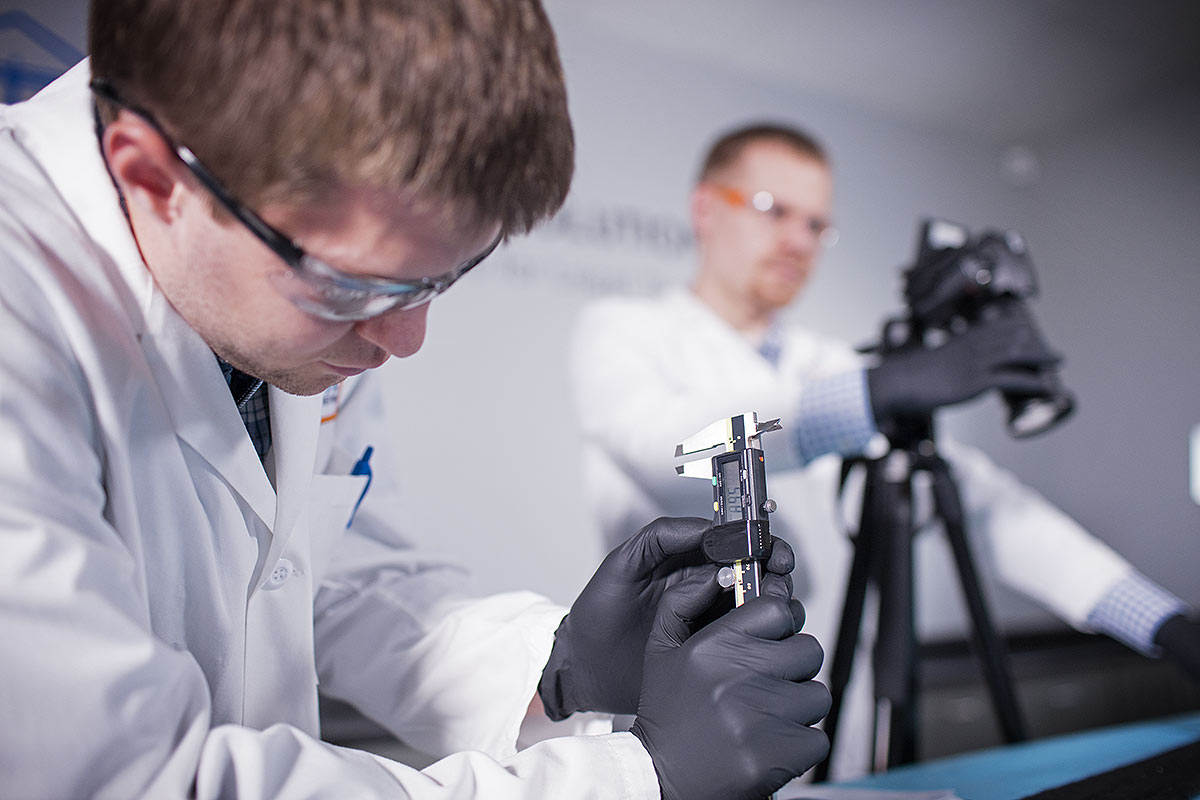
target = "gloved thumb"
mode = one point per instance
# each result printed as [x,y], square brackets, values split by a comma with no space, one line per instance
[656,543]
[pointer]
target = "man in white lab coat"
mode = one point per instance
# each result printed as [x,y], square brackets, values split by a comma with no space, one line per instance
[196,521]
[648,372]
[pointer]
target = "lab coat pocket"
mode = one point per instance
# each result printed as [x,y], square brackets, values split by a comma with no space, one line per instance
[333,501]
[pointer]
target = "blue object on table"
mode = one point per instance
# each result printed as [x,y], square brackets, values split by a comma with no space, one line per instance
[1015,771]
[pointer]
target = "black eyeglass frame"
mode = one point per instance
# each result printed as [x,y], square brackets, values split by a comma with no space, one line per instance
[305,265]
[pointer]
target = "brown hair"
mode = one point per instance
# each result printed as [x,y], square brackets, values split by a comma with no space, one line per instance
[455,102]
[729,146]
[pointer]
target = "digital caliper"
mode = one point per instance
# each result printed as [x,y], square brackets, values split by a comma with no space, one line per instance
[740,538]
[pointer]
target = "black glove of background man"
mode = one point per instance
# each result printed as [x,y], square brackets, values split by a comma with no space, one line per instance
[1179,637]
[726,712]
[1004,352]
[596,662]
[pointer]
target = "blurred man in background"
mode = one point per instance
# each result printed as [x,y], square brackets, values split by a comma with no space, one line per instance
[649,372]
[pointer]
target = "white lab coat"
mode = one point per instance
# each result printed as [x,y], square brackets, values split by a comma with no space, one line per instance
[647,372]
[166,609]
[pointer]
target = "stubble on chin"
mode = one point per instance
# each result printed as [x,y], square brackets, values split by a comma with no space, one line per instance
[777,296]
[303,383]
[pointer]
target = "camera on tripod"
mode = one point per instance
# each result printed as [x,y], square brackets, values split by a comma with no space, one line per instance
[958,279]
[956,285]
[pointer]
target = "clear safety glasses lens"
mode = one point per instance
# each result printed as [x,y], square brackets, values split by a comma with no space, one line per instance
[316,289]
[323,291]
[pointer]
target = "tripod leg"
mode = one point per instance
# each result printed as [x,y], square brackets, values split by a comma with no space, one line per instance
[894,656]
[987,643]
[848,627]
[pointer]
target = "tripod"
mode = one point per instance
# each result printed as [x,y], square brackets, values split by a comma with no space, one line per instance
[883,556]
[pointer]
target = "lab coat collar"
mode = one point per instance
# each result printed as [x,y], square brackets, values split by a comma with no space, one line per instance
[202,410]
[206,418]
[57,127]
[695,316]
[701,315]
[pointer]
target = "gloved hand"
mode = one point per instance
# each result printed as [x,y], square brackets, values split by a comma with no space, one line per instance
[1003,352]
[596,662]
[1179,637]
[725,712]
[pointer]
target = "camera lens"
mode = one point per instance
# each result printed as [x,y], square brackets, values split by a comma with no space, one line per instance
[1029,416]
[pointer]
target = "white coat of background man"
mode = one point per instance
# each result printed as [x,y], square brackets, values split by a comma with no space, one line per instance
[196,523]
[648,372]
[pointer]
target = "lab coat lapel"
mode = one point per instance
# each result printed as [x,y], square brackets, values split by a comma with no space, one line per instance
[295,423]
[201,407]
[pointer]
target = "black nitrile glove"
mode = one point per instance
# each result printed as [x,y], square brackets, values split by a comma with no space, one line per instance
[726,712]
[1179,637]
[1003,352]
[596,662]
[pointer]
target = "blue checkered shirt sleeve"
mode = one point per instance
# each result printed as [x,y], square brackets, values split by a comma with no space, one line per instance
[834,416]
[1133,611]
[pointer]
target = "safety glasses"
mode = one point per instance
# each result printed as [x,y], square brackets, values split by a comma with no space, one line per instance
[764,203]
[311,284]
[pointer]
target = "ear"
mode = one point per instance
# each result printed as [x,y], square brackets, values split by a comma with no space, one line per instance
[142,163]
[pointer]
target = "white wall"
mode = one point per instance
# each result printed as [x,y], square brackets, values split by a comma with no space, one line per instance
[1113,229]
[482,411]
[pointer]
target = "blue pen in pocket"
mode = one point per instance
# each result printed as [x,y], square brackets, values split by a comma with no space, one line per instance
[361,467]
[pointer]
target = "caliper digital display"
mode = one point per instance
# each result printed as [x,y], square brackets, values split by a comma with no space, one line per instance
[729,489]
